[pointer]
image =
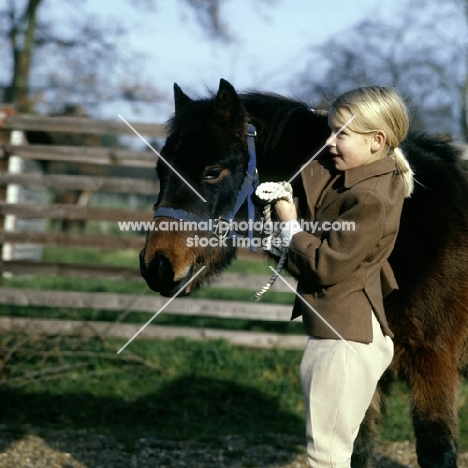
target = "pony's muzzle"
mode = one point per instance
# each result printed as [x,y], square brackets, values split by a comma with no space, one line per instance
[159,275]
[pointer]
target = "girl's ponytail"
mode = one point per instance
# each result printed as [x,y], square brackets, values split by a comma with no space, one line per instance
[404,171]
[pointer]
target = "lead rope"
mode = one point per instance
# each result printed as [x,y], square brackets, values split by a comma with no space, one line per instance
[268,193]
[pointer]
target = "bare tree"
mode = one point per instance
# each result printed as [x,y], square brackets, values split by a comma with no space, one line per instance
[21,32]
[36,43]
[85,61]
[423,53]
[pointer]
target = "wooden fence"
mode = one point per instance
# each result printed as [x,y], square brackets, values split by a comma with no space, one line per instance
[92,156]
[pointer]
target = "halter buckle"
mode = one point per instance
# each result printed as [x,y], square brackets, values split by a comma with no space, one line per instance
[251,131]
[219,225]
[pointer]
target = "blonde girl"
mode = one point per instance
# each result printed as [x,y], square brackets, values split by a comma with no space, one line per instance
[343,275]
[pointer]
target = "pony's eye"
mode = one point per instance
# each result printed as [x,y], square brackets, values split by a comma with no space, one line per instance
[213,173]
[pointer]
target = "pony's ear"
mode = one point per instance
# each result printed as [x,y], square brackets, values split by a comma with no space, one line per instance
[180,98]
[227,105]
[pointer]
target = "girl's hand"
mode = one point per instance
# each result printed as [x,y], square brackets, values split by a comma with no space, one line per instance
[286,211]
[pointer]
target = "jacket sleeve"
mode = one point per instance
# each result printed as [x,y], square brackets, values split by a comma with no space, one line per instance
[334,256]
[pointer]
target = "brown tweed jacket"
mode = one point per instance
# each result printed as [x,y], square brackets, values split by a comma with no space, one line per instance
[344,273]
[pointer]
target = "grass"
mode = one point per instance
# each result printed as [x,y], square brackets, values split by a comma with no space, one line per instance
[178,389]
[193,390]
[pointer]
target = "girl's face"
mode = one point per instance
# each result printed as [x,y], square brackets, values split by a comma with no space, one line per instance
[351,149]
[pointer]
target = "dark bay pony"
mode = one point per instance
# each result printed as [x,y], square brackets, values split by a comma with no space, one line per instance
[208,147]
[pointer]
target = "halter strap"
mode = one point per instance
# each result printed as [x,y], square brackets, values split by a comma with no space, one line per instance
[250,180]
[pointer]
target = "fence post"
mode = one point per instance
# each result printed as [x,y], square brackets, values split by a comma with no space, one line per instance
[6,110]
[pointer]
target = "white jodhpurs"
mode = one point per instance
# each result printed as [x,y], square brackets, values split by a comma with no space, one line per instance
[338,385]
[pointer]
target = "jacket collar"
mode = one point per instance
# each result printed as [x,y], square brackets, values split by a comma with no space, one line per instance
[358,174]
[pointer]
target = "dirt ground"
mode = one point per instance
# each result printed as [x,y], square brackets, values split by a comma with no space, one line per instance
[33,448]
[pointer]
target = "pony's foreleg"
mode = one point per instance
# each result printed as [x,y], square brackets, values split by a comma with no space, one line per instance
[433,388]
[366,441]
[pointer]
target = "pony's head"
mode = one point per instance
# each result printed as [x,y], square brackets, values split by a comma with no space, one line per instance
[203,163]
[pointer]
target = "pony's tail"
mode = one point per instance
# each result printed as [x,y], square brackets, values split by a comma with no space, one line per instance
[404,171]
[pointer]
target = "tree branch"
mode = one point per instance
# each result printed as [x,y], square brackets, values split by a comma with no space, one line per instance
[48,371]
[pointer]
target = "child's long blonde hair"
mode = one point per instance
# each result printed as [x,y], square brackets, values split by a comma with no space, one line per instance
[378,108]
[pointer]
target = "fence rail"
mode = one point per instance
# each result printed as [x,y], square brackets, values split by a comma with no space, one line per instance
[81,125]
[127,331]
[87,182]
[64,239]
[80,154]
[79,182]
[74,212]
[146,303]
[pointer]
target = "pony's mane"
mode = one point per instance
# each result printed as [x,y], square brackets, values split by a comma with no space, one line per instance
[278,111]
[437,163]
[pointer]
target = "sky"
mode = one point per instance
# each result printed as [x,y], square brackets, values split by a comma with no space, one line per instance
[270,46]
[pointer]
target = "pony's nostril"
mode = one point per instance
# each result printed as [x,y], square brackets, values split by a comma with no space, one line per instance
[162,268]
[158,274]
